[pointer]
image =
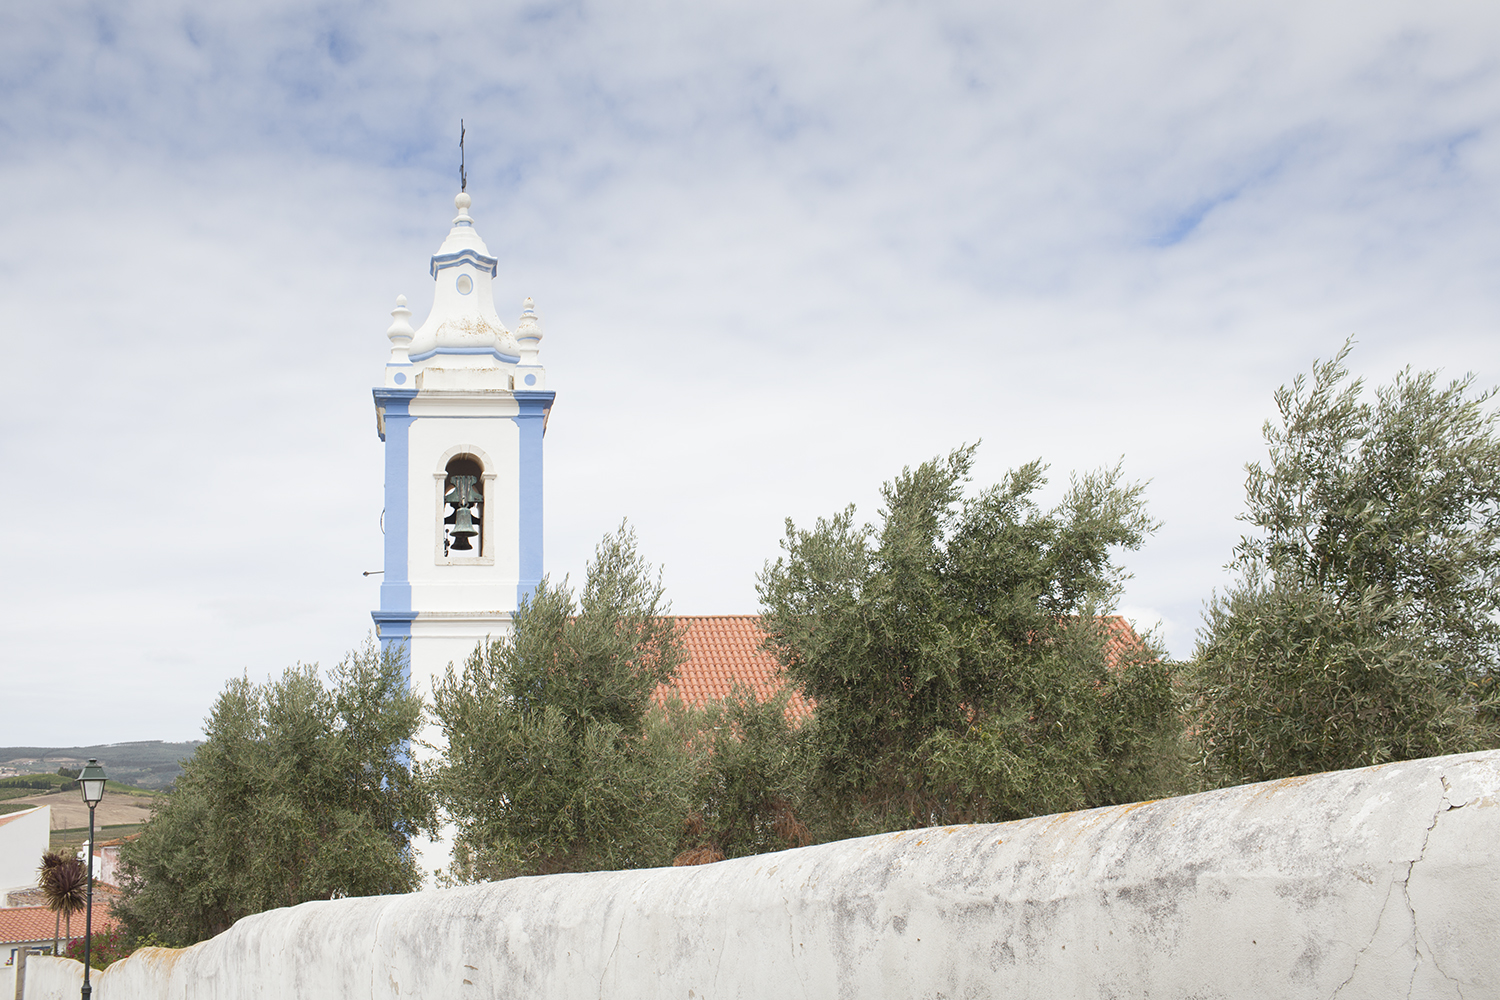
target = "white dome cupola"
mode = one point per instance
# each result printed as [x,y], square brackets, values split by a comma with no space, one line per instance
[463,330]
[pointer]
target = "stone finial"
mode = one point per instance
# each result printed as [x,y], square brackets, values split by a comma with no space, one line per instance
[462,202]
[400,331]
[529,333]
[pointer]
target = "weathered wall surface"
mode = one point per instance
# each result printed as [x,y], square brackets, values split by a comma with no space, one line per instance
[53,977]
[1374,883]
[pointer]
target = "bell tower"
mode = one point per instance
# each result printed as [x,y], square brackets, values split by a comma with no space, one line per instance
[462,411]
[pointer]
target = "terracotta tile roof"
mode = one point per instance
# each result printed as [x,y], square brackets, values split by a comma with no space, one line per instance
[36,923]
[1122,643]
[723,649]
[117,841]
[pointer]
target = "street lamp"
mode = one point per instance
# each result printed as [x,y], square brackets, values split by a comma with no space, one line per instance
[91,780]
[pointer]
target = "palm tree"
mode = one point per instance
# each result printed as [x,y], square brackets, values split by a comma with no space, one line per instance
[64,884]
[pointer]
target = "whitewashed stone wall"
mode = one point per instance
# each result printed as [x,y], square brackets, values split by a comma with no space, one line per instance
[53,977]
[1375,883]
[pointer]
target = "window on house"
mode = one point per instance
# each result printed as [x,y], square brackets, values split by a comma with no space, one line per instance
[463,509]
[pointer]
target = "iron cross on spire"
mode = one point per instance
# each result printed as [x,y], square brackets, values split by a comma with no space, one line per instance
[463,173]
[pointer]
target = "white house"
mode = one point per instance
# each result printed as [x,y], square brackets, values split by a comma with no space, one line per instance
[23,840]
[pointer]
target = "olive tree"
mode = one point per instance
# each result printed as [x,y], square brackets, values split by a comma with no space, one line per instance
[959,653]
[301,790]
[1364,625]
[555,761]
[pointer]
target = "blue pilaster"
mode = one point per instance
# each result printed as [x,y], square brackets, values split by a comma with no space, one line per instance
[393,620]
[532,421]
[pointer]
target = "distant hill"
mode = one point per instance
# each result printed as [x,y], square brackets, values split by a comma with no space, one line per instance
[148,764]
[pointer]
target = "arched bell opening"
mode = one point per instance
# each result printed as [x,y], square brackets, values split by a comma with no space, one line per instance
[463,508]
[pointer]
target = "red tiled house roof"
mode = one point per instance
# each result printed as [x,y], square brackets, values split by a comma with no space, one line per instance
[725,649]
[1122,643]
[20,924]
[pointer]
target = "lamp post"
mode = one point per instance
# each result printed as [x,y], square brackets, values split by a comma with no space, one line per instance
[91,781]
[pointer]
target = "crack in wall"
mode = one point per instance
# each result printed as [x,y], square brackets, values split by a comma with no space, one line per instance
[1419,945]
[609,961]
[1419,942]
[375,936]
[791,942]
[1406,886]
[1374,934]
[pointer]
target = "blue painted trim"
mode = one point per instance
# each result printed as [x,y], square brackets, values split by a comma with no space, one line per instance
[509,359]
[396,640]
[395,585]
[532,421]
[541,398]
[383,396]
[394,629]
[465,256]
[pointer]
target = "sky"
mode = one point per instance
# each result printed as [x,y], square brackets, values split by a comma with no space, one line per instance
[780,252]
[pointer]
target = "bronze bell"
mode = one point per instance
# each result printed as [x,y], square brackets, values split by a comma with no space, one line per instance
[463,529]
[464,491]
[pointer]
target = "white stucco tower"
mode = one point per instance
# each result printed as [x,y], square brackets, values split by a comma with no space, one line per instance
[462,411]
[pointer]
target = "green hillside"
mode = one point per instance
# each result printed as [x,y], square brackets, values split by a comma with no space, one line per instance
[149,764]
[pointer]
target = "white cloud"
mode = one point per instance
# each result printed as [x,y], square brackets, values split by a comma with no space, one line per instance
[780,252]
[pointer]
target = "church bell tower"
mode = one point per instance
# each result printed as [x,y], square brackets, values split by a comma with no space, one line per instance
[462,411]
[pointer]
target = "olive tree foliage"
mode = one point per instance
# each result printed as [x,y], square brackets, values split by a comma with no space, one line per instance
[301,790]
[555,761]
[959,656]
[1363,627]
[749,778]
